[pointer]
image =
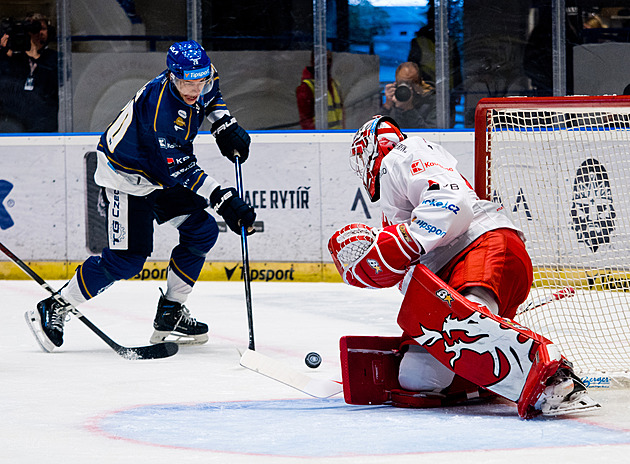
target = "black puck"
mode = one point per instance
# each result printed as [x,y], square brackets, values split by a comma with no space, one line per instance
[313,360]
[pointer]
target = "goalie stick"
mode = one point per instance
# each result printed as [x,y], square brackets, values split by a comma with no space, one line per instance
[282,373]
[160,350]
[566,292]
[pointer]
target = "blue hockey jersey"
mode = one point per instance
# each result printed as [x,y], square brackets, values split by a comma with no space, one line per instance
[150,143]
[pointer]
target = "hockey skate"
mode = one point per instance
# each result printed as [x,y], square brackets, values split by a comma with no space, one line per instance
[46,322]
[565,394]
[174,319]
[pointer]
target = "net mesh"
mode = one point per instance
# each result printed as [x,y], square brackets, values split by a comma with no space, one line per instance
[562,175]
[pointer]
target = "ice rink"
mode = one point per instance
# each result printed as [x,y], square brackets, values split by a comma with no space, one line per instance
[84,404]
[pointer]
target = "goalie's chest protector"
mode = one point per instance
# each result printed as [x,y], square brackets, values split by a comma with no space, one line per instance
[490,351]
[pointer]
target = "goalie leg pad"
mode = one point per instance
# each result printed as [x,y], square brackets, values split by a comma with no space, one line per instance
[490,351]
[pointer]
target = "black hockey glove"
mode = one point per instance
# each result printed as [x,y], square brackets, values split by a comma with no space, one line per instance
[231,138]
[233,209]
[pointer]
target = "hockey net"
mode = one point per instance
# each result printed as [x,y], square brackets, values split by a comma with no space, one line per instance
[561,168]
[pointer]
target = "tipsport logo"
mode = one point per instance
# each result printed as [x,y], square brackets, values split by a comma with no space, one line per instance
[5,218]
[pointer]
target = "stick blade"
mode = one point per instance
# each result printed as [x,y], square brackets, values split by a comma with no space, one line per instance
[279,372]
[158,351]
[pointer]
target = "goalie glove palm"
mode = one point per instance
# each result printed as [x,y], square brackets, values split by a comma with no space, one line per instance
[231,138]
[372,258]
[233,209]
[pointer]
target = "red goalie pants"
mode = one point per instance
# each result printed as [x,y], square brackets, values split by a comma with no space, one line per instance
[497,261]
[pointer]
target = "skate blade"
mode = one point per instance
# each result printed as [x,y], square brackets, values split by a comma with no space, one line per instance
[579,404]
[160,336]
[35,324]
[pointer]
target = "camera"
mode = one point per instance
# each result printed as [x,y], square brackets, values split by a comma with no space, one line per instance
[403,92]
[19,33]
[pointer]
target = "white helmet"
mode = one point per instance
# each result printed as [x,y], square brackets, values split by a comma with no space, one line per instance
[370,145]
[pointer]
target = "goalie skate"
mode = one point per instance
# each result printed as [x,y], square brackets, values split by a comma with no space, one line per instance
[565,394]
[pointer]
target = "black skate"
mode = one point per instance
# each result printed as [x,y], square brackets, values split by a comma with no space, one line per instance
[565,394]
[175,319]
[46,322]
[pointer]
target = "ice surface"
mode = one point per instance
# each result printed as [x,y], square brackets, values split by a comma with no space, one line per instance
[85,404]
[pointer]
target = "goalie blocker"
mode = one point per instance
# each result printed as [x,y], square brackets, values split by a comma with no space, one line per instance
[492,352]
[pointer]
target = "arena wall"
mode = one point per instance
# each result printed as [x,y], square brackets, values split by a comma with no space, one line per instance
[300,184]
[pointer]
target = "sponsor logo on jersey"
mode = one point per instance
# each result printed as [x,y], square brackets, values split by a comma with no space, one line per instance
[445,296]
[436,164]
[433,185]
[374,264]
[5,218]
[442,204]
[417,167]
[180,122]
[169,160]
[430,228]
[118,232]
[182,113]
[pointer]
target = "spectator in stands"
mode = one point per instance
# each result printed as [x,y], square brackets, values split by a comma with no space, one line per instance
[410,100]
[305,94]
[422,52]
[29,100]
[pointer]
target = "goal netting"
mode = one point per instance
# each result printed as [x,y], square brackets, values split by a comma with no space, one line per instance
[561,168]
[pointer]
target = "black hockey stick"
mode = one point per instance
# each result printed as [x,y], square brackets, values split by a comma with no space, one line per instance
[160,350]
[245,253]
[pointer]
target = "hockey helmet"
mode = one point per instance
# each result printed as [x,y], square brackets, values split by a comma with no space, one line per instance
[372,142]
[188,61]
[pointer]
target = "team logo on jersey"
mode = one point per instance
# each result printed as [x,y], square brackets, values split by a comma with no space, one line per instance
[445,296]
[417,167]
[374,264]
[592,209]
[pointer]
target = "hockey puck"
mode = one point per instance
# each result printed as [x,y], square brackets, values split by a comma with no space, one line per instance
[313,360]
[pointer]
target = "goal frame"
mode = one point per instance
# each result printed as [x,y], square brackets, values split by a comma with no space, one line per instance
[485,105]
[551,275]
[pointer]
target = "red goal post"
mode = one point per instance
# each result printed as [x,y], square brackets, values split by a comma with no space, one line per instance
[561,168]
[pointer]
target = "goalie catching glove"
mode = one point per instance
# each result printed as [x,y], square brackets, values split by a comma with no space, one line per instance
[233,209]
[231,138]
[373,258]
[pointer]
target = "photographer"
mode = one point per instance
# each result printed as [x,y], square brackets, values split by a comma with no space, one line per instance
[410,100]
[29,92]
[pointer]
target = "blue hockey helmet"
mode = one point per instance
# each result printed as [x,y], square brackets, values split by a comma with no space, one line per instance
[188,61]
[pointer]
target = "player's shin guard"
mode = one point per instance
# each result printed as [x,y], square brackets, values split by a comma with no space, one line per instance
[493,352]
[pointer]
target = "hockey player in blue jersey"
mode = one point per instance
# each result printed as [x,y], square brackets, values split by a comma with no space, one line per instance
[148,171]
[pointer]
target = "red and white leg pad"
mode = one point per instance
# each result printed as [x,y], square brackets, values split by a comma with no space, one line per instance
[492,352]
[369,368]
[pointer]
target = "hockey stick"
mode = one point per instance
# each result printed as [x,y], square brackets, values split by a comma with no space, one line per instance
[279,372]
[566,292]
[245,254]
[160,350]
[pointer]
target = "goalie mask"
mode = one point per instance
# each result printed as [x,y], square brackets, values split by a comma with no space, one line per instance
[370,145]
[190,68]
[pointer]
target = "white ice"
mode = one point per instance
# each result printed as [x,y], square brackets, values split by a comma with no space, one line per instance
[84,404]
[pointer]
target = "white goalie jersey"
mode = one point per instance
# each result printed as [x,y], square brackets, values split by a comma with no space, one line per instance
[421,186]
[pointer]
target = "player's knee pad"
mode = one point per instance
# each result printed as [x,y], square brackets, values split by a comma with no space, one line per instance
[120,265]
[419,371]
[199,233]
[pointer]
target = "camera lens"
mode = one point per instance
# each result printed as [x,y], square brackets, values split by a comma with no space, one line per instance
[402,93]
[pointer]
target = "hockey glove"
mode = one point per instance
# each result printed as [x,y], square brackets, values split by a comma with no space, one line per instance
[233,209]
[231,138]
